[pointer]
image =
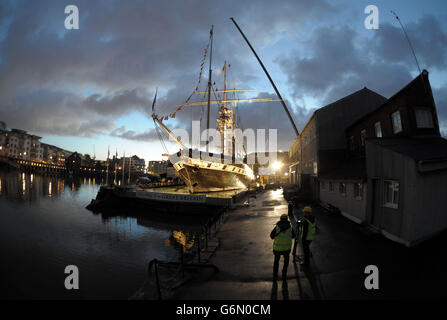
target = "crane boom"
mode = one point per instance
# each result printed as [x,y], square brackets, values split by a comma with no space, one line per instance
[268,76]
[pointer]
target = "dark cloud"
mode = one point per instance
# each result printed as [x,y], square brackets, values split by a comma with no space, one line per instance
[338,66]
[90,75]
[147,136]
[118,103]
[271,115]
[67,114]
[440,97]
[427,36]
[54,81]
[341,61]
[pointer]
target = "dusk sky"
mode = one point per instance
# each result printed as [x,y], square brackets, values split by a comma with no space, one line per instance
[93,87]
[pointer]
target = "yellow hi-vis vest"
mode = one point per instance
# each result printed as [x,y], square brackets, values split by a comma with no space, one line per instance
[283,241]
[311,230]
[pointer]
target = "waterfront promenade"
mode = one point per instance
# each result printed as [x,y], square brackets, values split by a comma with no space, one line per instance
[341,252]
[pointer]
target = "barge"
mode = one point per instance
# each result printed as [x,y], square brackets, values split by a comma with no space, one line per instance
[175,200]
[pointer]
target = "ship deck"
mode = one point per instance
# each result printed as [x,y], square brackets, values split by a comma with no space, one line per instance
[228,194]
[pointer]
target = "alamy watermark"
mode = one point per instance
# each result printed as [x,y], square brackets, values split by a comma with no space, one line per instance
[372,280]
[72,20]
[254,141]
[72,280]
[372,20]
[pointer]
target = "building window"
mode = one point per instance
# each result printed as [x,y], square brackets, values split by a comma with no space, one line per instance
[424,118]
[362,137]
[342,188]
[396,121]
[358,191]
[322,185]
[378,129]
[315,167]
[331,186]
[391,194]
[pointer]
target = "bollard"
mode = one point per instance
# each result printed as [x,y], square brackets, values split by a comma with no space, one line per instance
[198,249]
[206,237]
[181,261]
[156,279]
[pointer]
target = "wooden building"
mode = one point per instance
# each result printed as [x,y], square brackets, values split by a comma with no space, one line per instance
[321,146]
[407,183]
[394,177]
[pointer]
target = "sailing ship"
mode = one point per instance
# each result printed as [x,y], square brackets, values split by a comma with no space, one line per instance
[205,171]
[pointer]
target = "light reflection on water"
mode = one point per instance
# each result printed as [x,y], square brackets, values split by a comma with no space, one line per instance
[44,227]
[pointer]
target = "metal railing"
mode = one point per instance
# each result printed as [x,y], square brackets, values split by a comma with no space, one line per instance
[202,241]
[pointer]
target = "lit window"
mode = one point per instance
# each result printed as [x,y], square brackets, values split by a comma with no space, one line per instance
[424,118]
[362,137]
[396,121]
[358,191]
[391,194]
[378,129]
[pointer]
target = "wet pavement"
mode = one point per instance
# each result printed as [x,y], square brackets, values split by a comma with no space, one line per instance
[340,254]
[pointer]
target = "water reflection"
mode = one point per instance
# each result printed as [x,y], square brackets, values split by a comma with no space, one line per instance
[44,226]
[22,186]
[184,230]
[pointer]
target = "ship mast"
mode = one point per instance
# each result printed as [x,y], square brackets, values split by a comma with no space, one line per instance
[209,90]
[225,104]
[224,101]
[222,120]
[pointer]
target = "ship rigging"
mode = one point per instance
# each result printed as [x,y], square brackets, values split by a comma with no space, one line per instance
[205,171]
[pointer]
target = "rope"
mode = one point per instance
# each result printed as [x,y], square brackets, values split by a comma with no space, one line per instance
[160,137]
[202,64]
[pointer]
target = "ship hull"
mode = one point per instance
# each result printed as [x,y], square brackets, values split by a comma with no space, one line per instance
[211,180]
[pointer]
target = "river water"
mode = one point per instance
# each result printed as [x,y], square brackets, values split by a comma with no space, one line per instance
[45,227]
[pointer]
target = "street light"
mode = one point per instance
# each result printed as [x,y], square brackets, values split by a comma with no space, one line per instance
[276,165]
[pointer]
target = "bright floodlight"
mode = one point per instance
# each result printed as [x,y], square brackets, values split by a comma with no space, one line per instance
[277,165]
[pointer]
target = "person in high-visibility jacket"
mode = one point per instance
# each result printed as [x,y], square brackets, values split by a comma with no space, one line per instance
[308,229]
[282,236]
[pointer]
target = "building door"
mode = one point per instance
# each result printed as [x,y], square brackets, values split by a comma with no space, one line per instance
[376,212]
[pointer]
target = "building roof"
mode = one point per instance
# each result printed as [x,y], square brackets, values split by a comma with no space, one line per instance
[352,169]
[352,100]
[420,149]
[364,98]
[422,76]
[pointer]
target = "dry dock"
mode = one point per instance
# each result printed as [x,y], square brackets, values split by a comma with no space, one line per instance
[167,199]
